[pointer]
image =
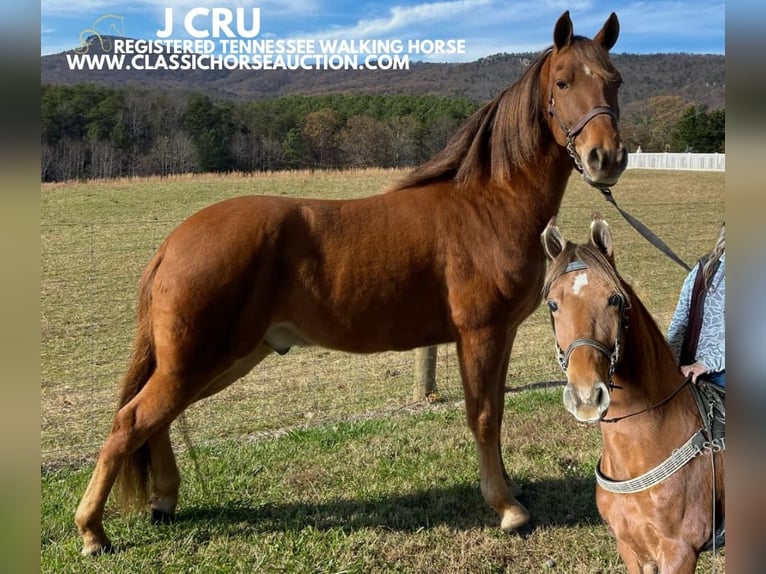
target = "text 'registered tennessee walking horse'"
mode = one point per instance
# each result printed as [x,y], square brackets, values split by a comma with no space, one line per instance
[660,479]
[452,253]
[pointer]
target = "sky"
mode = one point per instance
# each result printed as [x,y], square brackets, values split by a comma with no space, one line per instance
[487,26]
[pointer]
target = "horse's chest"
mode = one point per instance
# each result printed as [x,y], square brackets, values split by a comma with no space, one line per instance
[483,290]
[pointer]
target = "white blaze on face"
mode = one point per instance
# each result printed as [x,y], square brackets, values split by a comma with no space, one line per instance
[580,281]
[587,70]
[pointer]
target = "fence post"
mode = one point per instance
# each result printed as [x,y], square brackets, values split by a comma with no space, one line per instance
[425,372]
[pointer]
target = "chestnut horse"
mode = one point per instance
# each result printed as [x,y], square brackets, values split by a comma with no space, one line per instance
[660,480]
[451,254]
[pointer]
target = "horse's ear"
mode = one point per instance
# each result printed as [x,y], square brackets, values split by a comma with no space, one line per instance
[601,237]
[562,33]
[608,34]
[553,243]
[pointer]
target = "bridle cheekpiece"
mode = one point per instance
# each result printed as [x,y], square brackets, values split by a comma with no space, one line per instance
[572,132]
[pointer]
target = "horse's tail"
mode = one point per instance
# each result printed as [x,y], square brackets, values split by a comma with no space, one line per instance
[132,486]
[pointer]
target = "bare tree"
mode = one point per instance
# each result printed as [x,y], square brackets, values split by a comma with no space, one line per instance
[103,159]
[320,134]
[366,142]
[403,131]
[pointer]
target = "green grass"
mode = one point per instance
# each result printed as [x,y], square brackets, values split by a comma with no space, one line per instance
[321,461]
[398,494]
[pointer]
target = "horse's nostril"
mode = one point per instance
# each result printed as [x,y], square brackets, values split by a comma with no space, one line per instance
[599,395]
[595,158]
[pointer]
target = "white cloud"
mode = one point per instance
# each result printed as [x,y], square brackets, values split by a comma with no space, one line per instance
[402,18]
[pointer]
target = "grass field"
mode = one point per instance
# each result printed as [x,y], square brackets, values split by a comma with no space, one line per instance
[321,461]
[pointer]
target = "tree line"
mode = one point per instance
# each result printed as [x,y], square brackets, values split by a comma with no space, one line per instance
[88,131]
[671,124]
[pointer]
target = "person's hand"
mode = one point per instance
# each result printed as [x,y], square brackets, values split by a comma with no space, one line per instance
[696,369]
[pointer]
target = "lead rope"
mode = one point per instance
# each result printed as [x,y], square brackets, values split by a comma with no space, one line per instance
[652,407]
[647,233]
[712,466]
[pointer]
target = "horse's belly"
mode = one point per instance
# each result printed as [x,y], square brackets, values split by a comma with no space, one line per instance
[369,336]
[281,337]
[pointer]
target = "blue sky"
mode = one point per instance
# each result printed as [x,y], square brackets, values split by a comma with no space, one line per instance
[487,26]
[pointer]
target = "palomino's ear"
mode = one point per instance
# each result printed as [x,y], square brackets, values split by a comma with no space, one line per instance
[553,243]
[601,237]
[608,34]
[562,32]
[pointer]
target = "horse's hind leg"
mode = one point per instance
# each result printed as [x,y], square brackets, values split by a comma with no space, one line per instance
[149,412]
[146,419]
[166,480]
[483,356]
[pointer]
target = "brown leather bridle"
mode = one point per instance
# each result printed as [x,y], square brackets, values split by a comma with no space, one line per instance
[573,132]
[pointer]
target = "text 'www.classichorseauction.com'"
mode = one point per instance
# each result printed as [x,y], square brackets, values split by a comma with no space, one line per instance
[257,54]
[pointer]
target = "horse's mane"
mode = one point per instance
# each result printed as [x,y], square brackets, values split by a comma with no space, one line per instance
[505,133]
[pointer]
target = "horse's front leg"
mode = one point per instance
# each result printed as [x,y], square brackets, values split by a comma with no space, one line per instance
[484,355]
[676,556]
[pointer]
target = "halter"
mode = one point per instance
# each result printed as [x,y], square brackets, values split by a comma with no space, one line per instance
[573,132]
[612,354]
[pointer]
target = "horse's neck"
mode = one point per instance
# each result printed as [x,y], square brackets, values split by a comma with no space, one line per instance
[534,194]
[647,374]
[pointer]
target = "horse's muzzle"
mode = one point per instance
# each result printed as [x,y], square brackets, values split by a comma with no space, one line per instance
[588,404]
[603,167]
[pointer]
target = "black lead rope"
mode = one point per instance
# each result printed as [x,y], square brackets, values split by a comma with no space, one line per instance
[647,233]
[654,406]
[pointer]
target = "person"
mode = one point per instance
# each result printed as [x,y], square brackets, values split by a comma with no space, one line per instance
[697,330]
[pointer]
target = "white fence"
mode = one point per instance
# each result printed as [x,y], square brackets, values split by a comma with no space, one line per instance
[690,161]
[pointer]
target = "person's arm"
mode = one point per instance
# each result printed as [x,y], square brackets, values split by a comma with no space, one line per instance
[680,321]
[711,350]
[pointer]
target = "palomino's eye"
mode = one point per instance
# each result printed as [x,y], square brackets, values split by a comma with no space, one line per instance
[615,300]
[552,305]
[561,85]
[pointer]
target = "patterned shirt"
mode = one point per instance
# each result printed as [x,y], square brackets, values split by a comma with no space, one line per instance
[711,349]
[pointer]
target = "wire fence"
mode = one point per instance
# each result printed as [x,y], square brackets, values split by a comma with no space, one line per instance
[88,293]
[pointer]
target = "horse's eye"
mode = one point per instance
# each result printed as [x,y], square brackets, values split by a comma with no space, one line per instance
[552,305]
[615,300]
[561,84]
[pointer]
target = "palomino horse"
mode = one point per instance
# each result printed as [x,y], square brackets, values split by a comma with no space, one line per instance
[451,254]
[660,480]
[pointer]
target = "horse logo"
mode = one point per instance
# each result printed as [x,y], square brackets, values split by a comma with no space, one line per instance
[116,27]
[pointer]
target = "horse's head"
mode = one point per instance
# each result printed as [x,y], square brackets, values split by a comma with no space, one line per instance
[587,304]
[580,86]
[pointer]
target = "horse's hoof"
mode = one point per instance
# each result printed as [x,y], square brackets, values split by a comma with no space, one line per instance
[514,519]
[162,517]
[97,548]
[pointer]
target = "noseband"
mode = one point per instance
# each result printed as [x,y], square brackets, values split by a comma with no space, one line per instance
[573,132]
[612,354]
